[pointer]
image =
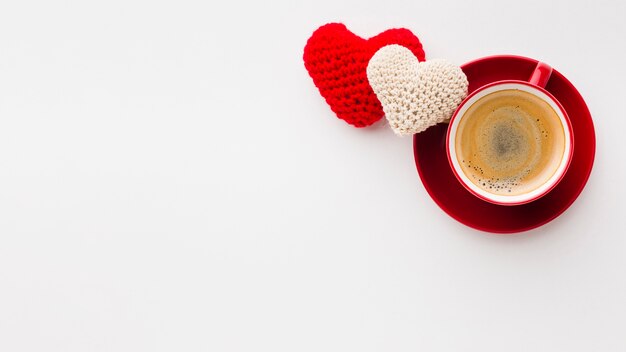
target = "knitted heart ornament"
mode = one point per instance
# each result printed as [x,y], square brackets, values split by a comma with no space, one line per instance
[415,95]
[336,60]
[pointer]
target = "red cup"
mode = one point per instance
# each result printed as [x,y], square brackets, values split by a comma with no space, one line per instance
[535,85]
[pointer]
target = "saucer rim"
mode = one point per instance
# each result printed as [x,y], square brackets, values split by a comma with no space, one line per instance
[584,178]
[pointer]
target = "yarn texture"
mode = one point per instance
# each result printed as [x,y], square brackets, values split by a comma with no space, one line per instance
[415,95]
[337,59]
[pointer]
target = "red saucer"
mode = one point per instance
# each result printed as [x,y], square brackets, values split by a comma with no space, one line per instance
[434,170]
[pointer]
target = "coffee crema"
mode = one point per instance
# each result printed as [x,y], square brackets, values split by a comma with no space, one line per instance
[510,142]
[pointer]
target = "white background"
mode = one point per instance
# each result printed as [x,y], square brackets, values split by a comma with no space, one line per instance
[171,180]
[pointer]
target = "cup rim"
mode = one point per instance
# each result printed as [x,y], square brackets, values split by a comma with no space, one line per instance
[540,191]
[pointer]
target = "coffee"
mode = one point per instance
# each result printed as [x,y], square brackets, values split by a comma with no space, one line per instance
[510,142]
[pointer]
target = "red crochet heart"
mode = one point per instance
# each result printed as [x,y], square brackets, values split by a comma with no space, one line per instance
[337,61]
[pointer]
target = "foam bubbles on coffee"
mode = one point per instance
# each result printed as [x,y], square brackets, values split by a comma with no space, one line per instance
[509,142]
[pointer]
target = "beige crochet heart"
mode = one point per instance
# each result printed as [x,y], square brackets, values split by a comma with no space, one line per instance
[415,95]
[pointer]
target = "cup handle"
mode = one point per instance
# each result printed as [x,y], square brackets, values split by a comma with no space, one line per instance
[540,75]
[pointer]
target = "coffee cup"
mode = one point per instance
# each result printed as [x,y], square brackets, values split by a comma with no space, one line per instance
[510,142]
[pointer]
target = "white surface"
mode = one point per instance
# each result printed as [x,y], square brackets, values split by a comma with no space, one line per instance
[520,198]
[172,181]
